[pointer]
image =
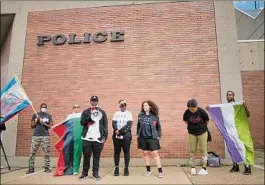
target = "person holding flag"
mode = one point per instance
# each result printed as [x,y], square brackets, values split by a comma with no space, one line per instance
[69,145]
[41,123]
[232,121]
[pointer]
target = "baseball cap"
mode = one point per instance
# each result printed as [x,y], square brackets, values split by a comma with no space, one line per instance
[94,98]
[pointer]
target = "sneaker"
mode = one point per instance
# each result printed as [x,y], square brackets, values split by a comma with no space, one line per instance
[247,170]
[96,176]
[47,170]
[193,171]
[75,173]
[83,177]
[235,168]
[160,175]
[116,171]
[30,170]
[126,172]
[202,172]
[147,173]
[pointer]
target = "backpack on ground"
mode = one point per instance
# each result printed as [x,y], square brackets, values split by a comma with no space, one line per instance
[213,160]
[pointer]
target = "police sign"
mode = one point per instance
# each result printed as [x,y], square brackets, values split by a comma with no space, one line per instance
[98,37]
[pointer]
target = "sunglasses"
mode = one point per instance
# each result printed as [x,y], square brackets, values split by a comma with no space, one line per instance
[75,107]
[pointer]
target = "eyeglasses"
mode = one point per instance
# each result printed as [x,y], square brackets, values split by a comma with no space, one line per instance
[75,107]
[44,107]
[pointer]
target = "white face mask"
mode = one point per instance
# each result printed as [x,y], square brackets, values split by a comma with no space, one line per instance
[43,110]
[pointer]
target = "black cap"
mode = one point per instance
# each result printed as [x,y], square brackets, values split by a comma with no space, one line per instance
[192,103]
[94,98]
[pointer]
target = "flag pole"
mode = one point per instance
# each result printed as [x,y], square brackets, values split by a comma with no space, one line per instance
[25,94]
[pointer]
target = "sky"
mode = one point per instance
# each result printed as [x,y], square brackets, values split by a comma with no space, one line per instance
[248,5]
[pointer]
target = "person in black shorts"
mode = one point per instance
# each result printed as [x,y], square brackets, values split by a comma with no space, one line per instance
[149,134]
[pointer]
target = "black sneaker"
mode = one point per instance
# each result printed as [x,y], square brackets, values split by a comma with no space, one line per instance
[116,171]
[96,176]
[235,168]
[83,177]
[47,170]
[126,172]
[247,170]
[30,170]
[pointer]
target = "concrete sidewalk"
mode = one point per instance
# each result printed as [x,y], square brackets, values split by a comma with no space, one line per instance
[173,175]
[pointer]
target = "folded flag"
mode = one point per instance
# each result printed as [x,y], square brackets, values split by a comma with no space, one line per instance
[69,146]
[13,100]
[232,121]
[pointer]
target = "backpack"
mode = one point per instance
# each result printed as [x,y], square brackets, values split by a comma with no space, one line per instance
[213,160]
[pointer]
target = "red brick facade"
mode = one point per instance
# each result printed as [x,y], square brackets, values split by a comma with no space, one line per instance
[253,92]
[169,55]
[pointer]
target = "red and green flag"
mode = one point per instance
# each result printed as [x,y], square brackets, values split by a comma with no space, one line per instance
[69,146]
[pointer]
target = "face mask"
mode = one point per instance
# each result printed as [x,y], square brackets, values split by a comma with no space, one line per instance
[43,110]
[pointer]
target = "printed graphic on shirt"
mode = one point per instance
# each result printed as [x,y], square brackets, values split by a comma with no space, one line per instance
[122,118]
[44,120]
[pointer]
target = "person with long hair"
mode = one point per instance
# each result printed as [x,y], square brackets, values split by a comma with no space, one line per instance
[197,120]
[122,123]
[149,135]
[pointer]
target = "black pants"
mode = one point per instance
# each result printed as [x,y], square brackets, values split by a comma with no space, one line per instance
[125,144]
[90,147]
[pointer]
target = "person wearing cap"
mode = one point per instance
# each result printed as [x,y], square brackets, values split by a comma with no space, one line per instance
[197,120]
[122,123]
[95,131]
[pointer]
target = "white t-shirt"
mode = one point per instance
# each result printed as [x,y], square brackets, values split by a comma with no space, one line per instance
[122,118]
[93,132]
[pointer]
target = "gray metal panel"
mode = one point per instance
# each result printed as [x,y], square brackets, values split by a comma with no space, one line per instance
[6,22]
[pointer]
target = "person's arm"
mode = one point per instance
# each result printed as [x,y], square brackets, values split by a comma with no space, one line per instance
[246,108]
[158,128]
[128,125]
[34,121]
[105,126]
[85,118]
[205,117]
[48,125]
[185,117]
[114,124]
[138,125]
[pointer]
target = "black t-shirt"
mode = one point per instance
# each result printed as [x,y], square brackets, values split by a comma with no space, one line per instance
[196,121]
[41,130]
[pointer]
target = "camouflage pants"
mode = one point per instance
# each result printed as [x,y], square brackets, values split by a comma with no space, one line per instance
[45,143]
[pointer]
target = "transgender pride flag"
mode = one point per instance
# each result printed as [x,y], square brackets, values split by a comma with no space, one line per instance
[13,100]
[231,120]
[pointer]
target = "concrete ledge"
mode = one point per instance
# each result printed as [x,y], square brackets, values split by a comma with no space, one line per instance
[19,161]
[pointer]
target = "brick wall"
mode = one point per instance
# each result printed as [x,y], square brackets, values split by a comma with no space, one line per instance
[169,56]
[253,91]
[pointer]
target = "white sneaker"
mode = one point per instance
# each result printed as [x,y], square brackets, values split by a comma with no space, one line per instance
[147,173]
[160,175]
[193,171]
[76,173]
[202,172]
